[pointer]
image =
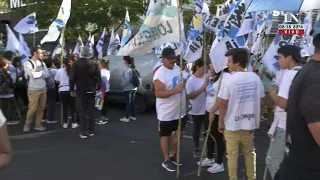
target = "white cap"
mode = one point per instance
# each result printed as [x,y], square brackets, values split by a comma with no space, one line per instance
[304,53]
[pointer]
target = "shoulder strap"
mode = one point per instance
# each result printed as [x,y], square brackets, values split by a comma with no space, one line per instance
[296,68]
[31,63]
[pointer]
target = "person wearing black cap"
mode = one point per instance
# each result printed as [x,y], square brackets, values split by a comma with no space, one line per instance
[302,157]
[168,85]
[289,58]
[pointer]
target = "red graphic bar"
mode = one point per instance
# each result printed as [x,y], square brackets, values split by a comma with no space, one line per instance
[291,31]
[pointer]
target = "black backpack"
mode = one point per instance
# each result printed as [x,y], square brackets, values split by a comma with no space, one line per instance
[136,79]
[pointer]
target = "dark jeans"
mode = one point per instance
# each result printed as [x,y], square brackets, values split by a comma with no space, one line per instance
[294,171]
[105,104]
[10,108]
[197,124]
[85,105]
[21,92]
[51,103]
[218,139]
[130,99]
[68,102]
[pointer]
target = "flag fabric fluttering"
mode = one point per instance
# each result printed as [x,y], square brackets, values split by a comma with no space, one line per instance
[90,43]
[161,26]
[100,43]
[60,22]
[14,45]
[27,25]
[113,43]
[57,52]
[79,45]
[126,32]
[24,45]
[226,38]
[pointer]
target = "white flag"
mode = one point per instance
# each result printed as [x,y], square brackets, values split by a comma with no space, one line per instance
[24,45]
[79,45]
[161,26]
[99,46]
[113,43]
[57,25]
[27,25]
[14,45]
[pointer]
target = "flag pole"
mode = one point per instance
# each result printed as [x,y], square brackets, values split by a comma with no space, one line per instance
[180,100]
[34,39]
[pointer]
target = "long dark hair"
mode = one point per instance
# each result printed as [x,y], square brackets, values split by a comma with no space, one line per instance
[218,75]
[130,61]
[197,63]
[67,65]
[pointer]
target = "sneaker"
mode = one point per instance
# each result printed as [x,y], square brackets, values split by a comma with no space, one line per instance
[52,122]
[124,119]
[102,121]
[206,162]
[174,160]
[74,125]
[27,128]
[196,152]
[169,166]
[133,118]
[40,128]
[83,136]
[90,134]
[44,120]
[65,125]
[216,168]
[12,122]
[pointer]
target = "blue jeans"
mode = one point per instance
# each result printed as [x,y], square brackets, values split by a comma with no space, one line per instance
[51,103]
[276,151]
[130,100]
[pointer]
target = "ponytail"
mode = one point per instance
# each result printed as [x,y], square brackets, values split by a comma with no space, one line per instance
[130,61]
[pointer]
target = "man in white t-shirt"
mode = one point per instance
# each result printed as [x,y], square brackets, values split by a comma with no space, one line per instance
[239,110]
[289,58]
[169,88]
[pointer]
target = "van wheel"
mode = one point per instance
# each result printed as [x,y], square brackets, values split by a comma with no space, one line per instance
[141,106]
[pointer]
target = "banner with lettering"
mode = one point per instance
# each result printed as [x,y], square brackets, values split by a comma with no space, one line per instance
[226,38]
[214,23]
[160,26]
[247,24]
[195,37]
[307,42]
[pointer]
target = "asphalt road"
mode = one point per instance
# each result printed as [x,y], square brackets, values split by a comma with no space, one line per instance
[118,151]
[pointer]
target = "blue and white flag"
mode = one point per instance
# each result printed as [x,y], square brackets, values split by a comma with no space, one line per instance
[226,38]
[113,43]
[79,45]
[60,22]
[100,43]
[24,45]
[14,45]
[90,43]
[27,25]
[57,52]
[126,32]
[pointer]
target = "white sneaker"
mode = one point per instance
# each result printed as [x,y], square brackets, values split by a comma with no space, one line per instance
[124,119]
[216,168]
[74,125]
[206,162]
[65,125]
[132,118]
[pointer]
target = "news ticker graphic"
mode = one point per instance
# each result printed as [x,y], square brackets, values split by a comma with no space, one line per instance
[291,29]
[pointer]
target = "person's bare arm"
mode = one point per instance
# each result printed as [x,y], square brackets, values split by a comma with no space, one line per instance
[279,101]
[315,131]
[161,92]
[5,147]
[223,106]
[196,93]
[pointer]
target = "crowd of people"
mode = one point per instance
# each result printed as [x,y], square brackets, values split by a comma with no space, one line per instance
[231,103]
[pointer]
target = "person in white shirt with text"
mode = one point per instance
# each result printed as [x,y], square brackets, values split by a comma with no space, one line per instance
[168,85]
[239,112]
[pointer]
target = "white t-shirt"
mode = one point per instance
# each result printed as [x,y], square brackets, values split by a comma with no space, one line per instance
[168,108]
[212,91]
[283,92]
[198,104]
[2,119]
[244,91]
[63,79]
[105,76]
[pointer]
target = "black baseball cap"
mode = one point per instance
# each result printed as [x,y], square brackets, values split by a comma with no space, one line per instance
[168,53]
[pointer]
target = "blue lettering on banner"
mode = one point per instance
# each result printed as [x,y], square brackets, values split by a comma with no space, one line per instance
[234,22]
[246,91]
[244,116]
[196,44]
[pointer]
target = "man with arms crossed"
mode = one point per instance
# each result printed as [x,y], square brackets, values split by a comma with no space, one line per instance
[302,158]
[240,99]
[168,88]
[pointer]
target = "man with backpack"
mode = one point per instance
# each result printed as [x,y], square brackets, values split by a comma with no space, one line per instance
[131,80]
[37,73]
